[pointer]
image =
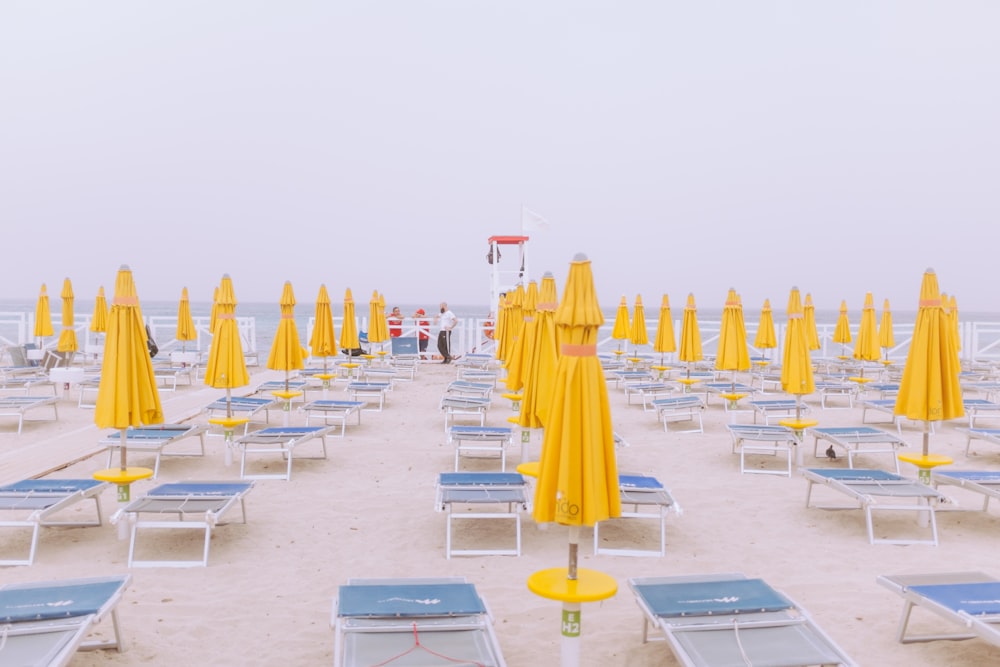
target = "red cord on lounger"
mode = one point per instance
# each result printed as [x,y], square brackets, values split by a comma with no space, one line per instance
[416,645]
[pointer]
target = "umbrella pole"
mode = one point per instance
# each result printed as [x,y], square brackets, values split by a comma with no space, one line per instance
[570,643]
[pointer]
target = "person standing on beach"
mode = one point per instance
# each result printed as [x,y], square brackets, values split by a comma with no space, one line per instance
[448,322]
[423,331]
[395,322]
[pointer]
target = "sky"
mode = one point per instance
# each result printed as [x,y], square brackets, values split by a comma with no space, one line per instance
[684,147]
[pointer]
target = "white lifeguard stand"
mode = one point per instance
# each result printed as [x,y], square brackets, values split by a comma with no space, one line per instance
[506,271]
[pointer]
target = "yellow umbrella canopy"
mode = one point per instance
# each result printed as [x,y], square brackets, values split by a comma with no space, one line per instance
[518,368]
[620,330]
[765,338]
[349,339]
[885,337]
[733,354]
[214,315]
[665,341]
[500,329]
[513,324]
[638,333]
[812,335]
[842,332]
[929,390]
[378,328]
[67,337]
[953,316]
[227,367]
[690,334]
[286,348]
[43,316]
[578,475]
[796,365]
[542,361]
[185,323]
[99,318]
[866,345]
[127,395]
[323,341]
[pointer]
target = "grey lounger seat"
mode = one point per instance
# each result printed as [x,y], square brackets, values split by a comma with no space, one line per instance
[648,499]
[504,490]
[855,440]
[155,439]
[278,440]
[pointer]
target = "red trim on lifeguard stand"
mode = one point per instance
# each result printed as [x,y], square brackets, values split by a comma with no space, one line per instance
[507,240]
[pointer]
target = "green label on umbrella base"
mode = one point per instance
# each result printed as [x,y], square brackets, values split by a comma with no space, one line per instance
[525,436]
[123,493]
[571,623]
[516,406]
[924,475]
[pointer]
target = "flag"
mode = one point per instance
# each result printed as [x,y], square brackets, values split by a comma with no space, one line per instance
[531,221]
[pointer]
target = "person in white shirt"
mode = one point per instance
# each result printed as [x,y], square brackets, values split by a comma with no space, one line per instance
[448,322]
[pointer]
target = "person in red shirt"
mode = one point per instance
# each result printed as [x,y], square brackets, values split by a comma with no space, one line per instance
[423,330]
[395,321]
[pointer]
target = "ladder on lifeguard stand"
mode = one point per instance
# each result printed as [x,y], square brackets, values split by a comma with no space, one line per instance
[504,279]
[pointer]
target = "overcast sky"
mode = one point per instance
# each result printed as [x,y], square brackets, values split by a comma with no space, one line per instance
[684,146]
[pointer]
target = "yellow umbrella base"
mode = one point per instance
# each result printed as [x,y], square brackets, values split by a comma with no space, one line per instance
[286,395]
[228,423]
[123,475]
[925,463]
[529,468]
[589,586]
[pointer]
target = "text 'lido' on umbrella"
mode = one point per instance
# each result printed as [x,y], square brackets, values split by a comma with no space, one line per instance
[578,475]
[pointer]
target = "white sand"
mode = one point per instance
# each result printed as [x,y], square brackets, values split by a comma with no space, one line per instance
[266,594]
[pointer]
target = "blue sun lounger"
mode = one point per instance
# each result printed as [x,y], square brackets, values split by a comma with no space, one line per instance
[984,482]
[870,488]
[31,503]
[767,439]
[777,408]
[686,407]
[967,599]
[278,440]
[339,411]
[468,388]
[154,439]
[196,506]
[648,499]
[371,390]
[855,440]
[480,489]
[435,621]
[462,406]
[478,439]
[979,408]
[244,406]
[16,406]
[47,622]
[991,435]
[722,620]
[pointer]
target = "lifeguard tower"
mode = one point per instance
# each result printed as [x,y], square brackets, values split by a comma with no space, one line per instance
[508,266]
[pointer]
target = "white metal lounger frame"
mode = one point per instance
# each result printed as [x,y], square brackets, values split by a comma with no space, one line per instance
[211,507]
[55,641]
[859,440]
[514,495]
[144,440]
[41,505]
[373,390]
[764,439]
[456,406]
[866,494]
[339,411]
[687,407]
[476,628]
[658,501]
[986,483]
[777,408]
[489,439]
[983,627]
[735,630]
[279,441]
[16,406]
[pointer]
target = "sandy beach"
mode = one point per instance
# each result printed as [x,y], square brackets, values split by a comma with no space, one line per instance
[367,511]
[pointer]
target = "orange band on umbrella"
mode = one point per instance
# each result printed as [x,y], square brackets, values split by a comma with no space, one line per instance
[125,301]
[579,350]
[547,305]
[225,316]
[795,316]
[732,303]
[929,303]
[286,316]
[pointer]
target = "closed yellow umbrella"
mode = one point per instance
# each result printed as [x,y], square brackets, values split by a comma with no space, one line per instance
[665,342]
[733,354]
[378,328]
[842,332]
[213,317]
[690,351]
[953,316]
[500,327]
[43,316]
[513,324]
[796,365]
[67,337]
[929,390]
[866,344]
[323,341]
[578,475]
[812,335]
[99,318]
[620,329]
[885,336]
[765,338]
[286,347]
[544,355]
[349,339]
[227,367]
[185,323]
[518,368]
[127,395]
[638,333]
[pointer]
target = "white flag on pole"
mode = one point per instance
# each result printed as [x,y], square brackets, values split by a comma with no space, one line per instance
[531,221]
